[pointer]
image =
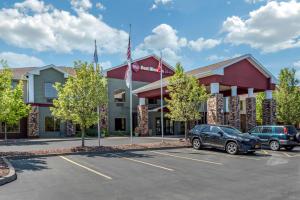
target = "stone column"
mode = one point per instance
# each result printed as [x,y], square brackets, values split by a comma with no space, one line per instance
[234,109]
[70,128]
[142,129]
[269,109]
[103,118]
[33,122]
[215,113]
[250,110]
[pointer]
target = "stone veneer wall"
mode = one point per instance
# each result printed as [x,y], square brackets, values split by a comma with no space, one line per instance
[214,109]
[70,128]
[104,117]
[142,129]
[234,112]
[269,111]
[250,113]
[33,122]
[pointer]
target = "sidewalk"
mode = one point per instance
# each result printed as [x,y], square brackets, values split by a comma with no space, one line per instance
[57,143]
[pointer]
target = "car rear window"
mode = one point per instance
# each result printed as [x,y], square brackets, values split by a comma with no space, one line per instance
[267,130]
[205,128]
[291,130]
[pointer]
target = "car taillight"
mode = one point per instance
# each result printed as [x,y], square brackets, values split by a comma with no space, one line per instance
[285,130]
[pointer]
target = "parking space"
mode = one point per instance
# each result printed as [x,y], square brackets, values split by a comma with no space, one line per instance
[158,174]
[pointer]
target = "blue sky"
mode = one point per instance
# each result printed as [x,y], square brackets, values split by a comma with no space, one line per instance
[194,32]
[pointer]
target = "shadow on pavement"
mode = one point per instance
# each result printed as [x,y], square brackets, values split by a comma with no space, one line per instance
[29,164]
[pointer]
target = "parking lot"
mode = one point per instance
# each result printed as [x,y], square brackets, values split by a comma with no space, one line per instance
[159,174]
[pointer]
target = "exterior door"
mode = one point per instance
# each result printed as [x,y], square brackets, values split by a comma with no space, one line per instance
[266,133]
[215,139]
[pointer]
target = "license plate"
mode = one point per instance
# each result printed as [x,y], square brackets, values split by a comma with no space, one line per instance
[291,138]
[257,146]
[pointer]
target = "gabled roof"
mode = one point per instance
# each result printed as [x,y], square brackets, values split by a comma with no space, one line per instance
[213,69]
[65,70]
[142,58]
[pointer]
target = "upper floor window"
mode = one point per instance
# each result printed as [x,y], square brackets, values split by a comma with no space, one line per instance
[119,95]
[50,91]
[152,101]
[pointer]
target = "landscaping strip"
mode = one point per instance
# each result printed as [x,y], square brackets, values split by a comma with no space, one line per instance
[7,171]
[96,149]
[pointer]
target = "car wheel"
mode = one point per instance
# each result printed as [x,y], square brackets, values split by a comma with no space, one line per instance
[274,145]
[289,148]
[232,148]
[196,143]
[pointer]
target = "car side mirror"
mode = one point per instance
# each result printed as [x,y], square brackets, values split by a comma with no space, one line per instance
[220,133]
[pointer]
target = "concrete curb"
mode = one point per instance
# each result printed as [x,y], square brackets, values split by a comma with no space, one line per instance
[11,176]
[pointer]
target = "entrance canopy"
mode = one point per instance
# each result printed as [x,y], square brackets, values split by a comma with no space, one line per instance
[244,72]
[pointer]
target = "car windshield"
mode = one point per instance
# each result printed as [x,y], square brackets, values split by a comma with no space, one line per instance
[230,130]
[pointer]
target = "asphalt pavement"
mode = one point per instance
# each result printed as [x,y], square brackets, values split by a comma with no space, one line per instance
[176,174]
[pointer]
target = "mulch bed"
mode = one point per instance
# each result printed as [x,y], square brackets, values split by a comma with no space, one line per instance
[4,170]
[115,148]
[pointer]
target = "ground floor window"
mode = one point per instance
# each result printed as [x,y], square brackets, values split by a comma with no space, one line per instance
[52,124]
[120,124]
[10,128]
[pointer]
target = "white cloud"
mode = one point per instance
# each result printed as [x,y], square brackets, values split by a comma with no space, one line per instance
[100,6]
[156,3]
[81,5]
[254,1]
[201,43]
[164,38]
[45,29]
[20,60]
[297,64]
[270,28]
[105,65]
[33,5]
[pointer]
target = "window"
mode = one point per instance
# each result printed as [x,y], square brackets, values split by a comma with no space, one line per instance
[278,129]
[152,101]
[241,105]
[52,124]
[205,128]
[267,130]
[256,130]
[10,128]
[214,129]
[50,91]
[120,124]
[119,95]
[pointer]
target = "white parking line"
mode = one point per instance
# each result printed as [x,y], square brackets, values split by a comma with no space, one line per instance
[231,156]
[187,158]
[142,162]
[87,168]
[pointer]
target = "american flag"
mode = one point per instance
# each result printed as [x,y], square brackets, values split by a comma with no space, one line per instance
[128,71]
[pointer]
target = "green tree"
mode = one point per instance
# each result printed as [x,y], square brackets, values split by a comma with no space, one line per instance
[185,97]
[287,97]
[259,109]
[12,105]
[79,97]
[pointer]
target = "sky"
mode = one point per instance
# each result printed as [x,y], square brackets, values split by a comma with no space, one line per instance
[193,32]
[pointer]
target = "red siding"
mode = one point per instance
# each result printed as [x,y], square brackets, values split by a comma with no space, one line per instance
[141,75]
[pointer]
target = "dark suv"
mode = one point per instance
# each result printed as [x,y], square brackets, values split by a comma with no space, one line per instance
[277,136]
[223,137]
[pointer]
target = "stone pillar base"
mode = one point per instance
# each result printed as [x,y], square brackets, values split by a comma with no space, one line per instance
[33,122]
[250,113]
[215,113]
[269,111]
[103,118]
[234,112]
[142,129]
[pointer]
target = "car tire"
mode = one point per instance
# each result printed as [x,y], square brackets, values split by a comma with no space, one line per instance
[274,145]
[289,148]
[196,143]
[232,148]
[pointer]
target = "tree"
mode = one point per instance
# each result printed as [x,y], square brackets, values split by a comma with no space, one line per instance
[259,108]
[79,97]
[12,105]
[287,97]
[185,97]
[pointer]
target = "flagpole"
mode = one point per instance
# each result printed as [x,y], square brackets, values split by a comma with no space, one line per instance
[98,107]
[130,89]
[161,99]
